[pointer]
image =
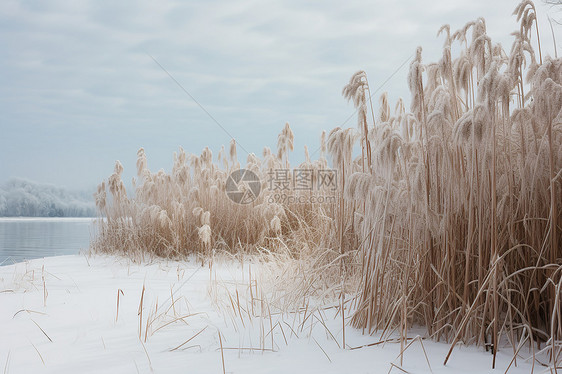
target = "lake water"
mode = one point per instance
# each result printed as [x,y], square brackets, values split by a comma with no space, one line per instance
[28,238]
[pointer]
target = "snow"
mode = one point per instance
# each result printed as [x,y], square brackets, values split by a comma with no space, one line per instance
[59,315]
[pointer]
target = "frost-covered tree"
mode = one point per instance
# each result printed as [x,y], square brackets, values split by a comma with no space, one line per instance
[22,198]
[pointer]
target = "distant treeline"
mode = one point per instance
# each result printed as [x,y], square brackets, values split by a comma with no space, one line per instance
[23,198]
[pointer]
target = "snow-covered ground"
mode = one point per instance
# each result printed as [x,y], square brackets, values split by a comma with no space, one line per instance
[59,315]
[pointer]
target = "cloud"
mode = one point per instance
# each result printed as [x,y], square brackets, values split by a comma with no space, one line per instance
[79,91]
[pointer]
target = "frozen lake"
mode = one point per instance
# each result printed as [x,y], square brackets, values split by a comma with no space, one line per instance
[28,238]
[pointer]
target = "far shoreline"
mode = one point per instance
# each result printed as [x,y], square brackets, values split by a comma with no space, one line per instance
[8,219]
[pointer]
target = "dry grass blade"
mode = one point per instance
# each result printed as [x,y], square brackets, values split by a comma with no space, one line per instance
[36,350]
[393,365]
[247,349]
[322,349]
[43,331]
[7,365]
[419,339]
[222,354]
[190,339]
[119,291]
[140,312]
[27,311]
[147,356]
[175,320]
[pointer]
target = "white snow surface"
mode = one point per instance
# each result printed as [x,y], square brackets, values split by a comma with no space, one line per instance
[58,315]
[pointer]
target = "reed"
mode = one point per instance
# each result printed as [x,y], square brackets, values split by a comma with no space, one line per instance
[462,219]
[450,218]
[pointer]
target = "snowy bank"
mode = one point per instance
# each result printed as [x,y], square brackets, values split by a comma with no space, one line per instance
[83,314]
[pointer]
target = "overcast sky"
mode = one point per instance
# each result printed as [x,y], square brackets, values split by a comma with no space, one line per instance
[78,89]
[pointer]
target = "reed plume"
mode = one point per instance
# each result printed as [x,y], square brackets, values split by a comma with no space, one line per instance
[450,218]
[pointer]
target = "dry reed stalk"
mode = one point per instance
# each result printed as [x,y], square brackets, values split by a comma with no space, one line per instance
[222,354]
[140,311]
[119,291]
[45,293]
[7,365]
[147,356]
[36,350]
[190,339]
[43,331]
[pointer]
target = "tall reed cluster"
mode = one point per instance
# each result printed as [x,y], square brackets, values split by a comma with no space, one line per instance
[462,216]
[188,211]
[450,217]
